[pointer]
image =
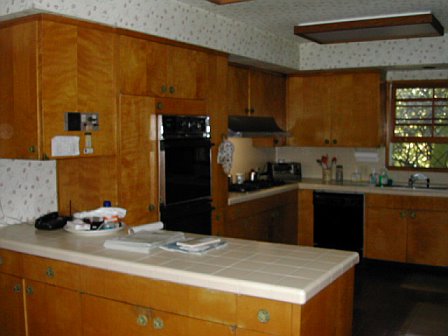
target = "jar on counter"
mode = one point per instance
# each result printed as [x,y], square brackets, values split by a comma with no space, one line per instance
[339,174]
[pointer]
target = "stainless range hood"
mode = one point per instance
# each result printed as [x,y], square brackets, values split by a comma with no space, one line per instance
[252,127]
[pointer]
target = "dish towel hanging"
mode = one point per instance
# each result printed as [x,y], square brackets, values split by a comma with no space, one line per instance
[225,155]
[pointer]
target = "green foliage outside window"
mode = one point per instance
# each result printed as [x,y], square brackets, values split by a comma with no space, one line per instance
[420,126]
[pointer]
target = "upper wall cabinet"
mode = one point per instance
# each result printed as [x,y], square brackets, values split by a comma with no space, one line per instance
[335,109]
[48,68]
[256,93]
[78,75]
[19,136]
[160,70]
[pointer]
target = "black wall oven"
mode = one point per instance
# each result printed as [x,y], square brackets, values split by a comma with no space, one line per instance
[185,181]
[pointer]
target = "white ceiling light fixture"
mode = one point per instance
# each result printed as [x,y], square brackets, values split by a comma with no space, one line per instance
[411,25]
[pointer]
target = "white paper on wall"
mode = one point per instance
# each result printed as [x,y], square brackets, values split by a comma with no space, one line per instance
[65,146]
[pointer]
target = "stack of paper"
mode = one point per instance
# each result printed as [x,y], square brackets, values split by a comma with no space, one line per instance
[195,245]
[143,241]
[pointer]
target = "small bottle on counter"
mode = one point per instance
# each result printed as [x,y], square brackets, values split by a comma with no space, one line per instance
[107,204]
[339,174]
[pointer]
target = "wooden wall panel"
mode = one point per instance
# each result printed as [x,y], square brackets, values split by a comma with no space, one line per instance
[84,183]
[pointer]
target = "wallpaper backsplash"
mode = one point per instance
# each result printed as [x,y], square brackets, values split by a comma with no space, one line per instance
[28,190]
[179,21]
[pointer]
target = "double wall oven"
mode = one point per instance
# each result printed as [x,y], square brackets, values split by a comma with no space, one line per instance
[185,178]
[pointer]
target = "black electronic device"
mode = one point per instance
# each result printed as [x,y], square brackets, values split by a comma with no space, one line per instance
[50,221]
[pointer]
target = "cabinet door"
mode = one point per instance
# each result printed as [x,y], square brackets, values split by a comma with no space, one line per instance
[238,91]
[12,320]
[305,218]
[385,234]
[19,117]
[176,72]
[255,227]
[267,95]
[138,182]
[52,310]
[308,110]
[428,237]
[356,115]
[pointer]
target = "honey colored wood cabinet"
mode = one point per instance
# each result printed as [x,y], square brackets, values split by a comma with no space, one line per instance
[272,219]
[155,69]
[19,114]
[138,180]
[335,109]
[68,299]
[51,67]
[407,229]
[252,92]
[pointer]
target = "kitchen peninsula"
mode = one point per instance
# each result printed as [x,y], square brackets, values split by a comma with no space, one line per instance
[245,288]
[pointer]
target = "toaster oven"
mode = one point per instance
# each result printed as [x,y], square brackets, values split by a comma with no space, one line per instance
[286,171]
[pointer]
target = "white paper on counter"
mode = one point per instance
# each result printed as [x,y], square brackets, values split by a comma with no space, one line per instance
[62,145]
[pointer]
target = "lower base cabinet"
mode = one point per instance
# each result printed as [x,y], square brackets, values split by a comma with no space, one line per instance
[272,219]
[111,303]
[409,229]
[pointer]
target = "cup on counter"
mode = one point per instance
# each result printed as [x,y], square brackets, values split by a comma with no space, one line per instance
[326,175]
[239,178]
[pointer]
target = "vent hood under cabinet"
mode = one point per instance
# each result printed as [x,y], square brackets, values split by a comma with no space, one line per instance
[252,127]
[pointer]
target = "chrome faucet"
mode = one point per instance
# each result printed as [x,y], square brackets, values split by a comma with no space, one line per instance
[415,177]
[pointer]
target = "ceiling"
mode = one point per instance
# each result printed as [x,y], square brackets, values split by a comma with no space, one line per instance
[280,16]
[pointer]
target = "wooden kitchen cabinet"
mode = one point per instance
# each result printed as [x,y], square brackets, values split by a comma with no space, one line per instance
[407,229]
[50,67]
[138,190]
[252,92]
[19,114]
[272,218]
[306,217]
[160,70]
[335,109]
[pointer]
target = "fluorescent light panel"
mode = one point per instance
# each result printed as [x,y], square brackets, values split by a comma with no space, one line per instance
[226,2]
[422,24]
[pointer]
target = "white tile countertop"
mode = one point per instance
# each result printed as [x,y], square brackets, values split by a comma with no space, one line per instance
[347,186]
[280,272]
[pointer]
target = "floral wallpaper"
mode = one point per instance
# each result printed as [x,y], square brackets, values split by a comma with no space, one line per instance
[28,190]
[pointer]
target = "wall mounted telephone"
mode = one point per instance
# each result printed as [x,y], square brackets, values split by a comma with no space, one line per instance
[50,221]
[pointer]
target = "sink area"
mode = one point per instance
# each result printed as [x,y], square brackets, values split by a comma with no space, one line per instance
[416,187]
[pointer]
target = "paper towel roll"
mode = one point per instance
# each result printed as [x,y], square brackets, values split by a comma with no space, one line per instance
[147,227]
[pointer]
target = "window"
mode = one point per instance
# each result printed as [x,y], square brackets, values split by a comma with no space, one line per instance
[419,125]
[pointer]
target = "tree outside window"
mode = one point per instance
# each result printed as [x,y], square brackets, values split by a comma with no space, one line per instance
[419,125]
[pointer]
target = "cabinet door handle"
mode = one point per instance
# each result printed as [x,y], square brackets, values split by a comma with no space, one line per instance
[142,320]
[50,272]
[172,89]
[163,89]
[32,149]
[247,111]
[17,288]
[157,323]
[29,290]
[403,213]
[412,214]
[263,316]
[151,207]
[159,106]
[335,141]
[252,111]
[326,141]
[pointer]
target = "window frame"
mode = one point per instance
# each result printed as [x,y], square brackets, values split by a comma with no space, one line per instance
[391,121]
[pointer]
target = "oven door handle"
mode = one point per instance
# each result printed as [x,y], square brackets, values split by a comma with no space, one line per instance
[162,176]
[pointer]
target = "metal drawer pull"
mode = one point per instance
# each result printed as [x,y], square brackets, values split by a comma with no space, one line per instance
[17,288]
[157,323]
[263,316]
[50,272]
[142,320]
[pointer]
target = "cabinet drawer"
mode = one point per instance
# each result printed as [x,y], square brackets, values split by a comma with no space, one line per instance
[190,301]
[272,317]
[10,262]
[51,271]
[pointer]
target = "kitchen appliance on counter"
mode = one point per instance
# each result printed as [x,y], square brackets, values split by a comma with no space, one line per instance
[285,171]
[247,186]
[185,179]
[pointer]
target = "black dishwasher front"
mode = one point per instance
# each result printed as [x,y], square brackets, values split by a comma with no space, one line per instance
[339,221]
